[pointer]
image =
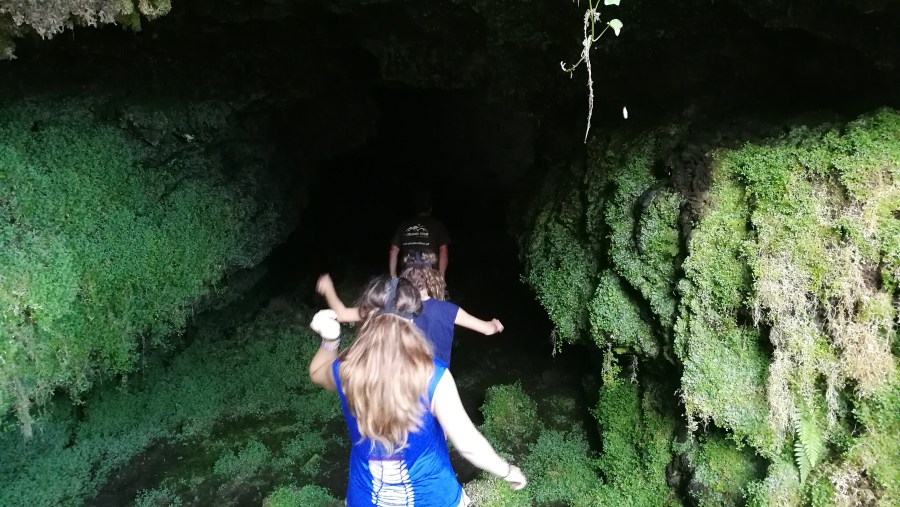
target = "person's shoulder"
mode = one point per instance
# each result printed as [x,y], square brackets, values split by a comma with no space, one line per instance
[443,304]
[450,310]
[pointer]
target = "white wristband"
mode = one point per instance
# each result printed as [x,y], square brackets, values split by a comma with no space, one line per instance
[331,345]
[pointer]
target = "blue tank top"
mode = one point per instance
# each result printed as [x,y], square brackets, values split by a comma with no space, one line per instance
[420,474]
[437,320]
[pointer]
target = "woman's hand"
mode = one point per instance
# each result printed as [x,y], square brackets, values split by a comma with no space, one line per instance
[325,285]
[497,325]
[515,478]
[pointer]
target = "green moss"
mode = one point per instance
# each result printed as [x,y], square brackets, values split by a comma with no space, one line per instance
[867,150]
[561,469]
[307,496]
[213,383]
[511,421]
[246,461]
[306,449]
[615,318]
[159,497]
[878,449]
[787,299]
[637,446]
[576,212]
[820,493]
[715,268]
[102,258]
[651,270]
[725,369]
[780,488]
[493,492]
[723,469]
[561,270]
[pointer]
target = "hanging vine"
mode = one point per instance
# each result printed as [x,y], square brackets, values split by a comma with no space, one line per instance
[591,20]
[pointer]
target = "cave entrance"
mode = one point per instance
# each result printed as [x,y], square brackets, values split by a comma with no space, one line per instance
[426,140]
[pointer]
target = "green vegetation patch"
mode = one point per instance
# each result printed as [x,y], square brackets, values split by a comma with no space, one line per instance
[877,451]
[204,406]
[493,492]
[722,470]
[637,434]
[641,218]
[725,369]
[511,421]
[785,316]
[307,496]
[814,216]
[615,319]
[561,468]
[101,257]
[561,269]
[780,488]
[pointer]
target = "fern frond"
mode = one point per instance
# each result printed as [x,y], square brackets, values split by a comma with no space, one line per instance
[809,447]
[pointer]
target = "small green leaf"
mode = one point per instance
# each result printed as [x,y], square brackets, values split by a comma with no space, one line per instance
[616,25]
[610,2]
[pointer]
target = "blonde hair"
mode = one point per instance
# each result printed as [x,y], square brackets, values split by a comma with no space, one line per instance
[386,372]
[421,273]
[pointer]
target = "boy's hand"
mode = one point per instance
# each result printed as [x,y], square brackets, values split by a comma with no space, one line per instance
[497,325]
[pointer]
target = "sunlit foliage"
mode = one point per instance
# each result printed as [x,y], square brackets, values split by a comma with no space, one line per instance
[782,315]
[103,254]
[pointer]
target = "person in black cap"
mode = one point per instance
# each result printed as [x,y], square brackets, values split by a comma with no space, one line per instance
[421,233]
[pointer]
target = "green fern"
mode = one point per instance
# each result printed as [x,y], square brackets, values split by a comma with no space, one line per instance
[810,444]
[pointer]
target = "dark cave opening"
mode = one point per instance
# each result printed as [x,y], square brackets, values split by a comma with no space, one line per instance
[358,199]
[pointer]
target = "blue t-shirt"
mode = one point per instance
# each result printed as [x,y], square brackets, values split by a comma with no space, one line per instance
[420,474]
[437,320]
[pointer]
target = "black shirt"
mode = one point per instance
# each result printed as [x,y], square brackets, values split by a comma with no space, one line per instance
[420,233]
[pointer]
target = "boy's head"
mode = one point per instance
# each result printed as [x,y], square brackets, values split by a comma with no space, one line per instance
[422,202]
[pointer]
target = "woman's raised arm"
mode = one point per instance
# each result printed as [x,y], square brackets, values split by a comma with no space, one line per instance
[325,287]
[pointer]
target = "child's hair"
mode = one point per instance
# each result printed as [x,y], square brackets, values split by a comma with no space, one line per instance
[418,270]
[374,297]
[386,372]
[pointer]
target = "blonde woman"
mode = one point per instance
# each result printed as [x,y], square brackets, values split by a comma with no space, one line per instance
[399,403]
[437,318]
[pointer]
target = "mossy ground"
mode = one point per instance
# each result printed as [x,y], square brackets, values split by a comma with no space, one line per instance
[222,422]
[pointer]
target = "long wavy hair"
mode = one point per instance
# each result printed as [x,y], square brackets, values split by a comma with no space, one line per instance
[386,372]
[420,272]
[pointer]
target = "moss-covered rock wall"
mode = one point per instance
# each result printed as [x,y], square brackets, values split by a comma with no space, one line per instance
[757,283]
[112,237]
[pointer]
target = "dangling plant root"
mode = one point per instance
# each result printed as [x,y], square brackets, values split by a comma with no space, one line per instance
[591,18]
